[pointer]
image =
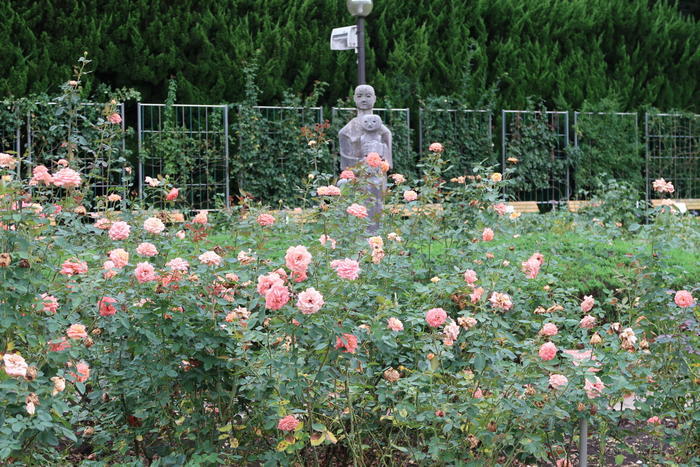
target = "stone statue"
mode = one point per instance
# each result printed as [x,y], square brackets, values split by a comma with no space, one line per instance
[364,134]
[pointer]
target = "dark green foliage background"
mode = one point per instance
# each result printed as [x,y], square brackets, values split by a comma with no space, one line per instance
[563,52]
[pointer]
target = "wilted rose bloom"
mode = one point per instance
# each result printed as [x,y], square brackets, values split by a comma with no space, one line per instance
[500,208]
[587,303]
[310,301]
[346,268]
[265,220]
[67,178]
[436,147]
[501,301]
[210,258]
[348,342]
[178,264]
[147,249]
[325,238]
[172,194]
[548,351]
[587,322]
[41,174]
[357,210]
[71,268]
[119,257]
[7,161]
[114,198]
[392,375]
[105,306]
[59,385]
[398,178]
[684,299]
[15,365]
[593,387]
[76,331]
[49,303]
[654,420]
[549,329]
[31,401]
[347,175]
[410,195]
[470,276]
[394,324]
[394,237]
[244,257]
[435,317]
[109,269]
[153,225]
[628,335]
[145,272]
[119,231]
[114,118]
[487,235]
[662,186]
[475,296]
[450,333]
[467,322]
[276,297]
[288,423]
[373,159]
[558,381]
[58,346]
[103,223]
[83,370]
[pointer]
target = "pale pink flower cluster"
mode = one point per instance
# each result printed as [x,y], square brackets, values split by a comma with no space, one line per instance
[153,225]
[373,159]
[265,220]
[398,178]
[49,303]
[357,210]
[76,331]
[15,365]
[394,324]
[347,175]
[325,238]
[548,351]
[684,299]
[288,423]
[210,258]
[298,259]
[435,317]
[147,249]
[7,161]
[119,231]
[587,303]
[71,268]
[310,301]
[487,235]
[450,333]
[67,178]
[594,387]
[145,272]
[330,190]
[531,267]
[470,277]
[558,381]
[410,195]
[587,322]
[467,322]
[346,268]
[501,301]
[436,147]
[549,329]
[662,186]
[178,265]
[40,174]
[119,257]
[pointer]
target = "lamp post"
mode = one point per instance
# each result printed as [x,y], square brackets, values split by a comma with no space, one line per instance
[360,9]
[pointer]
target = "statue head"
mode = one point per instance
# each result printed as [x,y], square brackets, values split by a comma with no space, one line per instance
[365,97]
[371,123]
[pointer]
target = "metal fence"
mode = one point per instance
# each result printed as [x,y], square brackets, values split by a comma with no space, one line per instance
[188,144]
[10,131]
[672,144]
[535,143]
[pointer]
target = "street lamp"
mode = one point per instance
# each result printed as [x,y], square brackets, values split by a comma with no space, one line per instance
[360,9]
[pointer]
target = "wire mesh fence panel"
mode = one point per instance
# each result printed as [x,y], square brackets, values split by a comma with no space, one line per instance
[91,134]
[534,144]
[398,121]
[606,146]
[278,146]
[466,136]
[673,153]
[187,145]
[10,123]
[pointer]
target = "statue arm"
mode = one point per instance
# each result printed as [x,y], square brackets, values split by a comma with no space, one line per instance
[386,139]
[348,156]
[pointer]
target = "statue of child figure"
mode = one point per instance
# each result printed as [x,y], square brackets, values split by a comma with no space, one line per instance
[371,139]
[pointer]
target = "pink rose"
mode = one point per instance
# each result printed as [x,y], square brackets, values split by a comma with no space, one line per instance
[119,231]
[109,269]
[373,159]
[487,235]
[500,208]
[347,175]
[558,381]
[288,423]
[310,301]
[436,147]
[153,225]
[105,306]
[470,277]
[180,234]
[501,301]
[59,346]
[593,387]
[114,118]
[548,351]
[531,267]
[40,174]
[435,317]
[103,223]
[83,370]
[172,194]
[587,303]
[298,259]
[67,178]
[475,296]
[564,463]
[265,220]
[49,303]
[348,342]
[587,322]
[145,272]
[330,190]
[265,282]
[662,186]
[549,329]
[119,257]
[276,297]
[654,420]
[346,268]
[394,324]
[450,333]
[7,161]
[398,178]
[357,210]
[684,299]
[76,331]
[210,258]
[325,238]
[71,268]
[202,218]
[147,249]
[410,195]
[15,365]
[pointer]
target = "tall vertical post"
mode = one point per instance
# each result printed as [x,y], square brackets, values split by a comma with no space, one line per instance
[361,51]
[583,443]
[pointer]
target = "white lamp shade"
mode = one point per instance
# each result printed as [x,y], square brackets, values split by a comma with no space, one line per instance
[359,7]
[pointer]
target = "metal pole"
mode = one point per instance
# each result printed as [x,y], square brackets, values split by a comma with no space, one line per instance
[361,50]
[583,443]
